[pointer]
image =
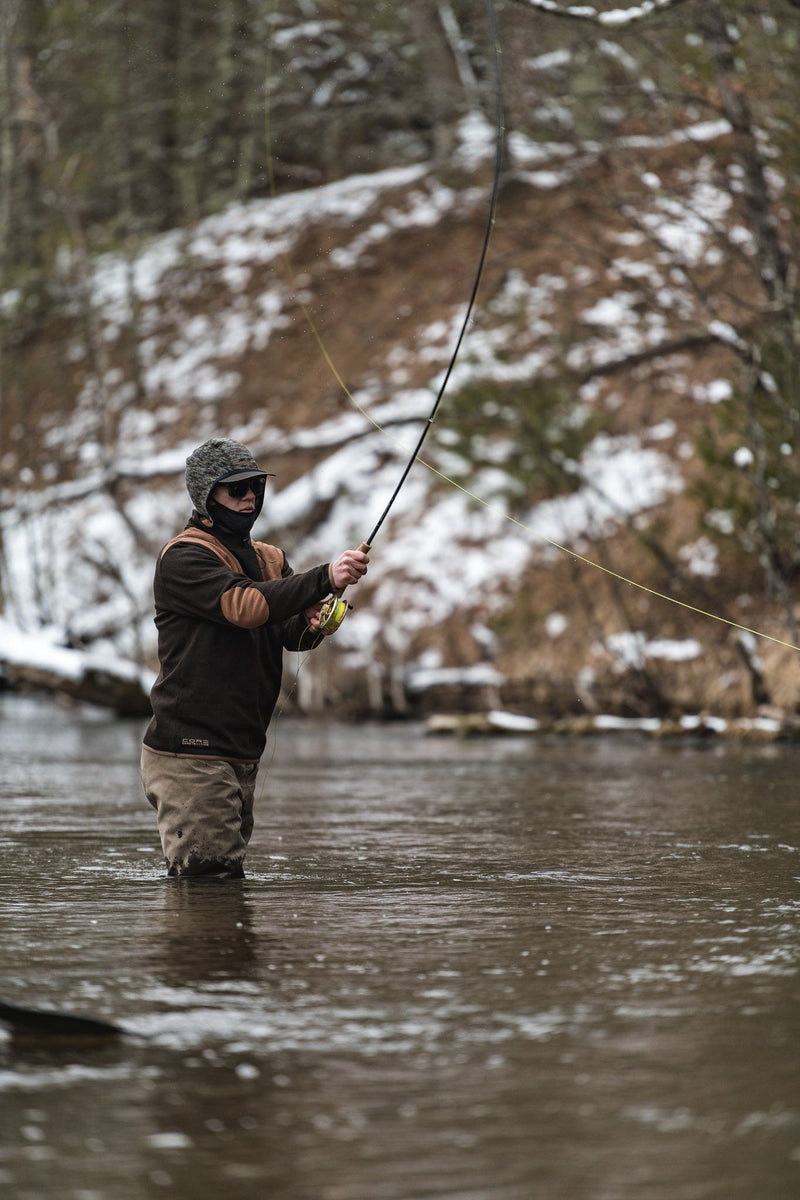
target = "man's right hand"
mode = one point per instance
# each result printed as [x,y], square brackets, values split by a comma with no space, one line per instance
[347,569]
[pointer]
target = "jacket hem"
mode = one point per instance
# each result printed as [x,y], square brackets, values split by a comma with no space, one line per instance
[187,754]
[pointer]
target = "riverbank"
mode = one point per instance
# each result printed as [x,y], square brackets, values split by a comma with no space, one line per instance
[768,726]
[475,701]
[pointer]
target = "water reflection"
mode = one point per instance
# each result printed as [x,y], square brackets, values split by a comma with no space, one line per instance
[201,931]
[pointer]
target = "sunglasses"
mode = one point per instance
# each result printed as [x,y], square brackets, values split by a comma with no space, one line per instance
[240,487]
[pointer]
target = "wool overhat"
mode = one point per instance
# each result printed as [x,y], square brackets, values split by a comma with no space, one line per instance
[216,461]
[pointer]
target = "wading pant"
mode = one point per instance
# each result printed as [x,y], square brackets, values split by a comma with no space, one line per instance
[204,808]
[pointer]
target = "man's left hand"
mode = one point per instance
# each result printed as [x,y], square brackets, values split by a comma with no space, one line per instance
[312,617]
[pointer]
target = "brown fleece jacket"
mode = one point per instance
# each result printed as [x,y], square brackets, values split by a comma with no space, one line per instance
[226,610]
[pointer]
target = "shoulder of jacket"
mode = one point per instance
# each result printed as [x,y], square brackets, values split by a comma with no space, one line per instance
[272,559]
[200,537]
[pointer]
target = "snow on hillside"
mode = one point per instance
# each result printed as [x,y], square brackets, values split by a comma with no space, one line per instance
[444,552]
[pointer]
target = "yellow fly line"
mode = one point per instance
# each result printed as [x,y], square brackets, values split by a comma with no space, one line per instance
[581,558]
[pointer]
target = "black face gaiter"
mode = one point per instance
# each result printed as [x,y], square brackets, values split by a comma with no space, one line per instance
[237,523]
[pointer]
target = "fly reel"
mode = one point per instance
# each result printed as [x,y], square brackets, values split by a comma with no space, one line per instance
[333,612]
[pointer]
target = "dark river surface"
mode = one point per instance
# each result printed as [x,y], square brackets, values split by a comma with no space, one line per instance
[492,969]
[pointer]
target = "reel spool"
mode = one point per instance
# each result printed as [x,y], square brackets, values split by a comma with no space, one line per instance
[332,613]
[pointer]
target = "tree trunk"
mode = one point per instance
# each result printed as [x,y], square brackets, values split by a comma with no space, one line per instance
[444,89]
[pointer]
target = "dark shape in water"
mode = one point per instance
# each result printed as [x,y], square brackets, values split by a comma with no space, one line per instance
[42,1023]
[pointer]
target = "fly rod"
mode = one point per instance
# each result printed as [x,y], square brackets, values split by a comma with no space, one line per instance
[336,607]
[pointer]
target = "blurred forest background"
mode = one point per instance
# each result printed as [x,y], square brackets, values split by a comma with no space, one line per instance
[651,164]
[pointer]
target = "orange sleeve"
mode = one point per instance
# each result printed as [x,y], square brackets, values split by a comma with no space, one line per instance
[244,606]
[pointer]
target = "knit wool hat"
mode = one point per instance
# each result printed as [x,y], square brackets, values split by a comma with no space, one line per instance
[218,460]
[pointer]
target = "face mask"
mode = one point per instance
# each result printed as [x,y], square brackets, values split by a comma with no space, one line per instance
[237,523]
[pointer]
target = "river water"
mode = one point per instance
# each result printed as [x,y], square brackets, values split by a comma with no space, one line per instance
[493,969]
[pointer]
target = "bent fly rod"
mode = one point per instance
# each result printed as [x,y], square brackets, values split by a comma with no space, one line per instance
[335,607]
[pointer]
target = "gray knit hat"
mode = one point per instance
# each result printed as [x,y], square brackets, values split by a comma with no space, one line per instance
[216,461]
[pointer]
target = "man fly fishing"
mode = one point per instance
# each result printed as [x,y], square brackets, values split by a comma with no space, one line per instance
[226,609]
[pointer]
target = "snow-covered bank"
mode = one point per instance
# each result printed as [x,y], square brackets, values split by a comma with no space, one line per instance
[37,662]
